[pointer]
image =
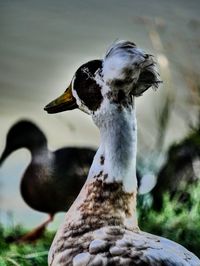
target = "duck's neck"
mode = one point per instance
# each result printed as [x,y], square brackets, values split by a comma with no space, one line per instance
[109,195]
[40,154]
[116,156]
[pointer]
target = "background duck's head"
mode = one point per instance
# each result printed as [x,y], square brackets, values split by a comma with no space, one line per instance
[124,72]
[23,134]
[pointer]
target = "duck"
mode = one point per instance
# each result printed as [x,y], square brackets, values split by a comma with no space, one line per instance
[180,170]
[53,179]
[101,227]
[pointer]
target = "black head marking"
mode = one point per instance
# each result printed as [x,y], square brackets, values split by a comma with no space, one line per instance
[85,85]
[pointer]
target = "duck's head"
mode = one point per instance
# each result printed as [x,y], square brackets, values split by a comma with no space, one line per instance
[125,71]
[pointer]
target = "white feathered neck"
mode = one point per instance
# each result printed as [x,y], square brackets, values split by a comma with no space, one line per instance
[109,194]
[116,156]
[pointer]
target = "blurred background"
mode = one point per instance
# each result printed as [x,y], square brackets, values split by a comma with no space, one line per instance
[42,44]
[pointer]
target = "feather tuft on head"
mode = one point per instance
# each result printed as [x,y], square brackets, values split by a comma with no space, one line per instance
[125,64]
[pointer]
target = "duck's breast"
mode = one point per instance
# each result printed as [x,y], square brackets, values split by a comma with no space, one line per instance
[115,246]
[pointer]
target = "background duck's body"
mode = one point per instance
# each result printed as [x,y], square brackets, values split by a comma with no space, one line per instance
[52,180]
[100,228]
[180,171]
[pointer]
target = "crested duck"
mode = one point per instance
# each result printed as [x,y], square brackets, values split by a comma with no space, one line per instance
[101,228]
[52,180]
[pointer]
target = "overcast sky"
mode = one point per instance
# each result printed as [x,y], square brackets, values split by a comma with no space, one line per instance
[43,42]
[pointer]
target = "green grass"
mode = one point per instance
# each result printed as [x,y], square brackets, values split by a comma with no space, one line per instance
[177,221]
[23,254]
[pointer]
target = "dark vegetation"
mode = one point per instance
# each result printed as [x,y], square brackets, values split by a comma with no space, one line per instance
[23,254]
[178,221]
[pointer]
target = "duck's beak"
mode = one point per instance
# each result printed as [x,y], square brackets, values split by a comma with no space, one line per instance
[63,103]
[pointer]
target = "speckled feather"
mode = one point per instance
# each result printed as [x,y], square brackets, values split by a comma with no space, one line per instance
[114,245]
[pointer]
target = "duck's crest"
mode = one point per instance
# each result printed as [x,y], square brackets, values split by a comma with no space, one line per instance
[126,65]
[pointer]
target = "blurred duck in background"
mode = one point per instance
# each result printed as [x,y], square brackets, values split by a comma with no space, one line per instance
[181,169]
[52,180]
